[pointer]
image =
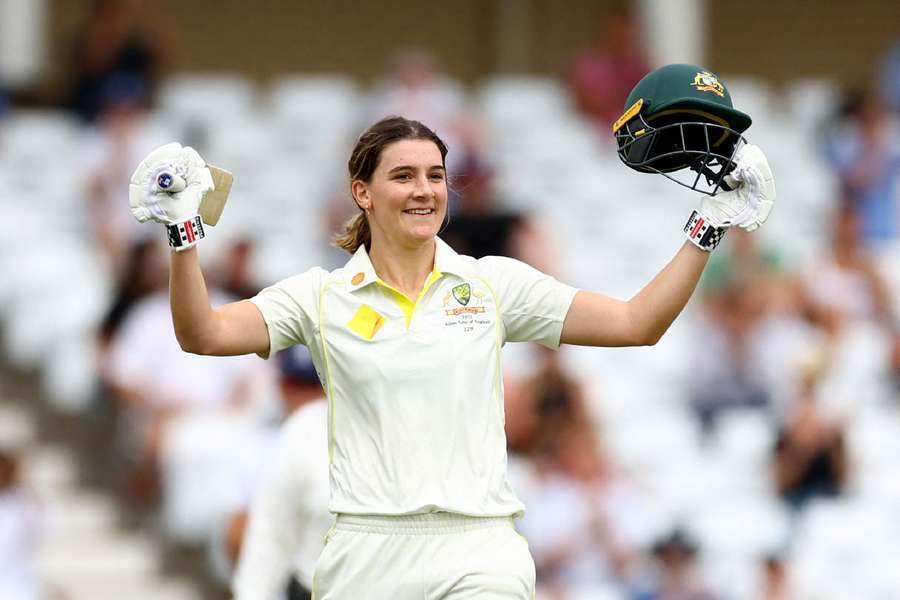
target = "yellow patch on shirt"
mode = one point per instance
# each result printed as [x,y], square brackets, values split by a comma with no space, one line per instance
[366,322]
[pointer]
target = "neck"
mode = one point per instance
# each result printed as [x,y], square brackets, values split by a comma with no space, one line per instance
[401,267]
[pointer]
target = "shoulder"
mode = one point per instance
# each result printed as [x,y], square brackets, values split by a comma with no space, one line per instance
[313,280]
[502,269]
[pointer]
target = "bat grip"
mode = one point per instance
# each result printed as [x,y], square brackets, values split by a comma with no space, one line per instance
[170,182]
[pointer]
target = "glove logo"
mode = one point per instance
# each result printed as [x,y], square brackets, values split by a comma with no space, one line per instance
[164,181]
[704,81]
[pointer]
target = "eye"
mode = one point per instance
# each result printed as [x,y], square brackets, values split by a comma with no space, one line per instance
[402,177]
[437,176]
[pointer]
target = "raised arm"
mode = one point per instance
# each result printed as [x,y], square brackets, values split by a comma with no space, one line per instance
[168,187]
[235,328]
[597,320]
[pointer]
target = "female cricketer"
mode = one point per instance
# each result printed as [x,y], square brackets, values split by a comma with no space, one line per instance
[406,339]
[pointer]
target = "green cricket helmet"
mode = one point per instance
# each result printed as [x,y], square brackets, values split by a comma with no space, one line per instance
[680,116]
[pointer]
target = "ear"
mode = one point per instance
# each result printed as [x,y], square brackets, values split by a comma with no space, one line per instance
[360,192]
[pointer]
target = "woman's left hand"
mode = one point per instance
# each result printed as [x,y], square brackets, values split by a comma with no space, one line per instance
[752,197]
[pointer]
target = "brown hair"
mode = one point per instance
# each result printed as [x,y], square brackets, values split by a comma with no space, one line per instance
[363,162]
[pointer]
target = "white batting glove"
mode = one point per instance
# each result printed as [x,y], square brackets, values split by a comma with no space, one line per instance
[750,201]
[167,187]
[747,205]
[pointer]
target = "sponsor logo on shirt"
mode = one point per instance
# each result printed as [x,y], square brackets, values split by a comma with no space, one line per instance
[462,310]
[464,294]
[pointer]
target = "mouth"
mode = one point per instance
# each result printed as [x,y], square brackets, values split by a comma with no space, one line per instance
[420,211]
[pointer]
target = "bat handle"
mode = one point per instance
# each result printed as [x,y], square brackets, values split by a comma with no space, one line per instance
[170,182]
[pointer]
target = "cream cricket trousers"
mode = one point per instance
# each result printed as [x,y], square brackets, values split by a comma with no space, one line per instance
[436,556]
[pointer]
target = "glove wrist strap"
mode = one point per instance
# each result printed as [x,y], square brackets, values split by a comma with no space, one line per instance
[185,233]
[703,234]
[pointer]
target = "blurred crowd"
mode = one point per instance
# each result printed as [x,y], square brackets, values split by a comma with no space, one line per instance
[799,350]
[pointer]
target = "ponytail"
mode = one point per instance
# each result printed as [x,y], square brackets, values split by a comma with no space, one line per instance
[356,233]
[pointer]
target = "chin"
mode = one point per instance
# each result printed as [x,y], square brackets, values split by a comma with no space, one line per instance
[420,235]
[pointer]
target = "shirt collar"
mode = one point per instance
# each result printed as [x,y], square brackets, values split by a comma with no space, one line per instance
[359,269]
[446,260]
[361,272]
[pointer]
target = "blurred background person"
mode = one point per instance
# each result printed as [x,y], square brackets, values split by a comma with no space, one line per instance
[155,383]
[732,382]
[584,520]
[107,154]
[810,457]
[144,272]
[844,287]
[478,226]
[277,525]
[753,301]
[121,40]
[234,272]
[865,153]
[676,578]
[415,86]
[602,75]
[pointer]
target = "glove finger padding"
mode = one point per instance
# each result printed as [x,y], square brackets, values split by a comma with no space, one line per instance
[747,205]
[145,173]
[147,202]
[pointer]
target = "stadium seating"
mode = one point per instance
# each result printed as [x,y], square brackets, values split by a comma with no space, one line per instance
[614,227]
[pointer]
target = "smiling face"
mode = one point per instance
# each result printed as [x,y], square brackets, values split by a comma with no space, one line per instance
[406,196]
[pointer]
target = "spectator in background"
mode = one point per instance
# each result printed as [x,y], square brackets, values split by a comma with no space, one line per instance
[781,328]
[155,382]
[478,227]
[18,533]
[866,155]
[676,577]
[235,273]
[109,153]
[603,75]
[556,398]
[845,287]
[280,516]
[416,87]
[584,521]
[810,458]
[120,41]
[733,380]
[742,258]
[144,273]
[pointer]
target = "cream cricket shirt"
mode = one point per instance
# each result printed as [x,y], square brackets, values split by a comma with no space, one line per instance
[415,396]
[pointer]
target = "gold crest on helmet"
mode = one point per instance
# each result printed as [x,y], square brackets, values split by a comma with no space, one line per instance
[704,81]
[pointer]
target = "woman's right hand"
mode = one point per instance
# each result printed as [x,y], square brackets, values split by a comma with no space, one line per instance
[169,184]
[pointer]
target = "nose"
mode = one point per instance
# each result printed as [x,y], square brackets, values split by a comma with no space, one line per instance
[424,188]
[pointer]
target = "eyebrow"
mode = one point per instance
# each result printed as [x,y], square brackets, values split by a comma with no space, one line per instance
[412,168]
